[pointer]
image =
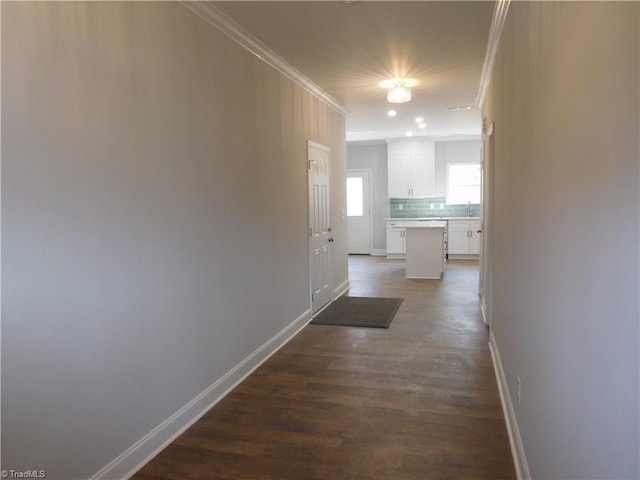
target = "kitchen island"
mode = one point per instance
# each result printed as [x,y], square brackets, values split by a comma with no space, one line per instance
[425,257]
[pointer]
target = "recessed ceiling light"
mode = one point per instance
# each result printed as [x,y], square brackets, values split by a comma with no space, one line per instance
[392,113]
[409,134]
[419,119]
[422,125]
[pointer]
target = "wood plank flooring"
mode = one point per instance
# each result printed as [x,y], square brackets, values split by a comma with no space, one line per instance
[416,401]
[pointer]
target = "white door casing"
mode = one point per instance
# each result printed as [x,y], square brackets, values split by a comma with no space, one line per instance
[479,230]
[486,225]
[320,239]
[359,212]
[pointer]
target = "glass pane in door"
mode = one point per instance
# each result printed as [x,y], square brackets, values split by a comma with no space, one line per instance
[355,200]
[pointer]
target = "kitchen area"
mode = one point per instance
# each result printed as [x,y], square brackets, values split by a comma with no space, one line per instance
[458,237]
[425,200]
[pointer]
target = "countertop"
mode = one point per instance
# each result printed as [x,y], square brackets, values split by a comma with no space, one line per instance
[426,224]
[430,219]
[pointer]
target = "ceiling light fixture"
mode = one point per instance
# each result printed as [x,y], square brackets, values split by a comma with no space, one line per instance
[399,94]
[398,89]
[422,125]
[419,120]
[391,113]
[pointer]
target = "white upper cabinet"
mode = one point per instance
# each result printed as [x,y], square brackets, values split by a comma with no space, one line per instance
[399,175]
[411,168]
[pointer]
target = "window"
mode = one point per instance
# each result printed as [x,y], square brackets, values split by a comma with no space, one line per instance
[355,199]
[463,183]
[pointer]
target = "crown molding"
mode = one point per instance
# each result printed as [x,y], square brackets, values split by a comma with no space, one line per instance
[217,19]
[497,24]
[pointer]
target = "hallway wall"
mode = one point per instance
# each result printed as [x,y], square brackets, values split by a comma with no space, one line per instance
[564,103]
[154,224]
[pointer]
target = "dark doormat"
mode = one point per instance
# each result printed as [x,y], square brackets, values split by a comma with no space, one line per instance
[372,312]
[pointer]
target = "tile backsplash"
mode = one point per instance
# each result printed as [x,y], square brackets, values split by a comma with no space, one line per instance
[429,207]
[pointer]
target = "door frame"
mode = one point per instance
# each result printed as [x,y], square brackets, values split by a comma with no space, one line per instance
[486,225]
[370,200]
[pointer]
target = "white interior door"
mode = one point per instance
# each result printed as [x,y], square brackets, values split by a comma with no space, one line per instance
[319,226]
[359,211]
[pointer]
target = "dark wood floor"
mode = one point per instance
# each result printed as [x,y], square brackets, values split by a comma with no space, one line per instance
[416,401]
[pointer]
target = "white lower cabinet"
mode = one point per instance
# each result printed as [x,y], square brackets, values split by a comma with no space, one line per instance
[396,240]
[463,237]
[474,237]
[458,237]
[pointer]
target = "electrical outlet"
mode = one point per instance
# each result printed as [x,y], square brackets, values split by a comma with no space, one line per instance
[519,388]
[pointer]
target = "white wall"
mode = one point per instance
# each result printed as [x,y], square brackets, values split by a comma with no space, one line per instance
[373,156]
[564,102]
[154,221]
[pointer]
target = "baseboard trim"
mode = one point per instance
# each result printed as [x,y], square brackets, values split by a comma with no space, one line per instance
[341,289]
[140,453]
[517,449]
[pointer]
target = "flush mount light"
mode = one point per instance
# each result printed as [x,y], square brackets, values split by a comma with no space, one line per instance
[419,120]
[399,94]
[398,89]
[422,125]
[391,113]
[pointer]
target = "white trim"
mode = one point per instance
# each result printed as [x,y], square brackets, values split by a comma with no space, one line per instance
[486,251]
[517,449]
[378,252]
[497,24]
[217,19]
[0,235]
[489,130]
[341,289]
[140,453]
[483,309]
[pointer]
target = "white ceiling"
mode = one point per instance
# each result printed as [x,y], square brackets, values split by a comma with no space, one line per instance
[348,48]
